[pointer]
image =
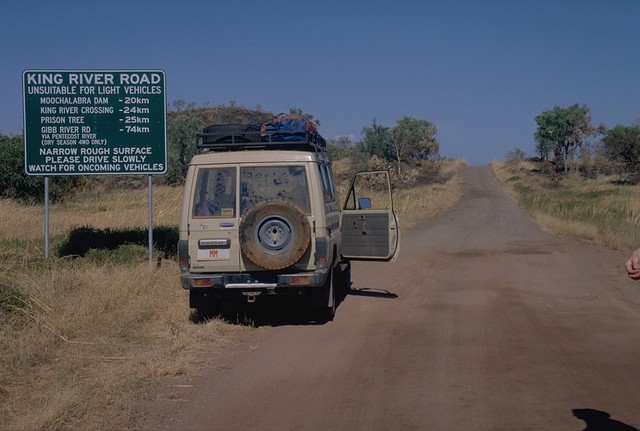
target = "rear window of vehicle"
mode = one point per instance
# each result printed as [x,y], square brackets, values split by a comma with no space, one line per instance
[282,182]
[215,193]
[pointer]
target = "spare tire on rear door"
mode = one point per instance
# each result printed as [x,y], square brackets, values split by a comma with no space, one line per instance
[274,234]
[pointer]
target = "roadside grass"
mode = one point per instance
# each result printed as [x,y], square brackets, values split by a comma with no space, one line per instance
[439,189]
[426,201]
[85,341]
[596,210]
[105,209]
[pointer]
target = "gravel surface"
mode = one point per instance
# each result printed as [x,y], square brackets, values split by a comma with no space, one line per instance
[485,322]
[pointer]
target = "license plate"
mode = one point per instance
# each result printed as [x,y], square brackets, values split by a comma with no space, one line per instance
[214,254]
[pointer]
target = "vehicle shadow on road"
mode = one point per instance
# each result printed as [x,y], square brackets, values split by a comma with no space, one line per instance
[374,293]
[287,311]
[597,420]
[277,312]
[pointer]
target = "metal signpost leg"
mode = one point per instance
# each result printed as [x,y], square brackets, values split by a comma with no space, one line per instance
[46,218]
[150,187]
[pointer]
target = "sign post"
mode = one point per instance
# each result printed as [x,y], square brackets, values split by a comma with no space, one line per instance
[95,122]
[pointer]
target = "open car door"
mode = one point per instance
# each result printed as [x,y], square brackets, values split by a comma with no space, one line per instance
[369,224]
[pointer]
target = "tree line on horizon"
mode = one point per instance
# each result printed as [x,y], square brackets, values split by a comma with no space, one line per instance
[567,140]
[409,140]
[563,140]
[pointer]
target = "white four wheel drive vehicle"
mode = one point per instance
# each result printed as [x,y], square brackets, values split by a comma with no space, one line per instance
[260,217]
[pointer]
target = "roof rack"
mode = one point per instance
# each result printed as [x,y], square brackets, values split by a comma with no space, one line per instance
[237,137]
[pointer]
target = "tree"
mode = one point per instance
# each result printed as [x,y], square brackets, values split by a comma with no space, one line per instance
[623,143]
[342,142]
[16,184]
[516,155]
[181,137]
[544,147]
[178,104]
[413,139]
[562,130]
[410,139]
[376,141]
[339,147]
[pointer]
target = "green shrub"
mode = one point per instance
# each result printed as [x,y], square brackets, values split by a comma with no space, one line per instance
[16,184]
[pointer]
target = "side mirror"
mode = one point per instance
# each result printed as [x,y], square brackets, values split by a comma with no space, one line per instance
[364,203]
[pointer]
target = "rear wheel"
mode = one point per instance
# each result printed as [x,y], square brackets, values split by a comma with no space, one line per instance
[203,307]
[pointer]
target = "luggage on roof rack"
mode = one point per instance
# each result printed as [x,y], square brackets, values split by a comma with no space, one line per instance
[288,128]
[290,132]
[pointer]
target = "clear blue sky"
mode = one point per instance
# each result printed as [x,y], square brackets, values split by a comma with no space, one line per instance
[479,70]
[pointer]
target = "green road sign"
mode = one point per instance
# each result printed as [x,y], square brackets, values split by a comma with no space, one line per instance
[91,122]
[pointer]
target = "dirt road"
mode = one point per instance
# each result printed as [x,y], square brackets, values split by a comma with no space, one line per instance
[484,323]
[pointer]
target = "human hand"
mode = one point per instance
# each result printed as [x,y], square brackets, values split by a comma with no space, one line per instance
[633,265]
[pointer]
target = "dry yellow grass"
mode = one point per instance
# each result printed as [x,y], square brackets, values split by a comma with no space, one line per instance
[84,343]
[420,203]
[588,210]
[90,342]
[424,202]
[113,209]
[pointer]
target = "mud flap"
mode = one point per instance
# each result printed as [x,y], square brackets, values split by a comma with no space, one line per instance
[323,299]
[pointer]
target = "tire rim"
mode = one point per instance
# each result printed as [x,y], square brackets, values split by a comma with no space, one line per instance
[273,234]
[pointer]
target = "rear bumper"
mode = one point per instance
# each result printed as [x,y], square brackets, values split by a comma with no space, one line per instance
[246,282]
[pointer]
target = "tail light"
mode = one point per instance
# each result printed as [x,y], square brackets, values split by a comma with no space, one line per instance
[321,253]
[202,282]
[183,255]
